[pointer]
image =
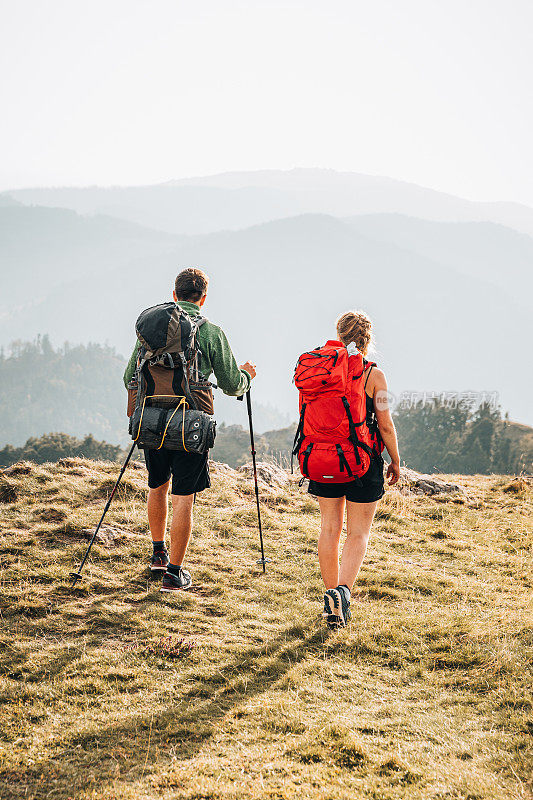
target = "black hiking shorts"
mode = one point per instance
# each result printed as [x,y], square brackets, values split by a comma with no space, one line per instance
[372,486]
[190,471]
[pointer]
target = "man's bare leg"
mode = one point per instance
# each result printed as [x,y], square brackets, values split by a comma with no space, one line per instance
[181,527]
[158,512]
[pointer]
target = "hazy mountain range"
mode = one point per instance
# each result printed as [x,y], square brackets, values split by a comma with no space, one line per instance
[240,199]
[447,284]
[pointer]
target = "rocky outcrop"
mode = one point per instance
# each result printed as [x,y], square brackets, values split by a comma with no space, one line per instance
[219,468]
[416,483]
[267,472]
[108,535]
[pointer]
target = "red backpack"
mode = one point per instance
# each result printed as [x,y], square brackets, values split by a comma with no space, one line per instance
[334,440]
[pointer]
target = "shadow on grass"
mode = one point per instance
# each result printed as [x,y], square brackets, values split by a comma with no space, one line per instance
[87,624]
[86,628]
[211,691]
[187,724]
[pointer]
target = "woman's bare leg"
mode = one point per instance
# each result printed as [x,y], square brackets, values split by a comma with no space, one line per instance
[332,517]
[359,518]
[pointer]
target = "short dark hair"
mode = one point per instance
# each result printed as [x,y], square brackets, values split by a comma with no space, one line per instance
[191,284]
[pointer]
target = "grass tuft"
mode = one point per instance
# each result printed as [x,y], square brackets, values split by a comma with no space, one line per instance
[8,490]
[50,514]
[168,648]
[516,486]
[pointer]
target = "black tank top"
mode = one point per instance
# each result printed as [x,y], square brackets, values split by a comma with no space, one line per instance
[370,413]
[369,400]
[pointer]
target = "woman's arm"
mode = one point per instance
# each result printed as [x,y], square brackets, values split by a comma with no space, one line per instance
[378,389]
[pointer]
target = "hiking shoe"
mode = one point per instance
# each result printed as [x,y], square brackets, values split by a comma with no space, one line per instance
[173,582]
[159,561]
[336,608]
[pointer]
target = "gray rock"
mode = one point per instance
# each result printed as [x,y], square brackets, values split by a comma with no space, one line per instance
[267,472]
[417,483]
[108,535]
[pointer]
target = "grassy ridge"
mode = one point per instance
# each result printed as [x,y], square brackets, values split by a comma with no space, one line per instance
[235,689]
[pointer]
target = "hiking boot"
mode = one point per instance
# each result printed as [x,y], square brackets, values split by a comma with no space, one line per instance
[336,608]
[159,561]
[173,582]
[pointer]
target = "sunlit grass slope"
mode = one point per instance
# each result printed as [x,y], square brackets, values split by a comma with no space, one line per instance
[236,689]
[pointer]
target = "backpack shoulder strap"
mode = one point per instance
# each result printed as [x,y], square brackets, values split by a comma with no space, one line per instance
[199,320]
[196,323]
[369,365]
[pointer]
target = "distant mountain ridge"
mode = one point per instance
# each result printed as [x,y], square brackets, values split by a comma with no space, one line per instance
[236,200]
[41,248]
[484,250]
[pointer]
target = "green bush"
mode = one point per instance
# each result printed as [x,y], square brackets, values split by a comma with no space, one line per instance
[54,446]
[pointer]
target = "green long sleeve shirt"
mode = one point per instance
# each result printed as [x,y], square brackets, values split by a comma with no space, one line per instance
[215,356]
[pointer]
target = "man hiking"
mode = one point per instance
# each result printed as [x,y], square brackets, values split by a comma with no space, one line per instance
[189,470]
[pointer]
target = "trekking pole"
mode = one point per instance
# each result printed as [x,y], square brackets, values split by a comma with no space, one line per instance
[77,575]
[262,560]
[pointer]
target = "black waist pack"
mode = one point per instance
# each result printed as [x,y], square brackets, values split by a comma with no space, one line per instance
[177,428]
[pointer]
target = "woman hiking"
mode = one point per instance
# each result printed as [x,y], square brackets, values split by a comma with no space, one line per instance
[351,400]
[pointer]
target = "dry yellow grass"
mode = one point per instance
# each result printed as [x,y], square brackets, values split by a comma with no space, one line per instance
[427,694]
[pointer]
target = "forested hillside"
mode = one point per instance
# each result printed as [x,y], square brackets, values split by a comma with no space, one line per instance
[78,390]
[433,438]
[73,389]
[467,439]
[53,446]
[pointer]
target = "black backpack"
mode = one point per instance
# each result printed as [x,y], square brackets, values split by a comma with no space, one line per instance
[167,374]
[167,366]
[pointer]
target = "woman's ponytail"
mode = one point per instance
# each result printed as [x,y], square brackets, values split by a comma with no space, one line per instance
[355,326]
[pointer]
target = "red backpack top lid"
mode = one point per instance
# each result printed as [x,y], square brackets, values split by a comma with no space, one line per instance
[322,370]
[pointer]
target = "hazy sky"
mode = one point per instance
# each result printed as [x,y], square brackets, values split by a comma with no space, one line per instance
[142,91]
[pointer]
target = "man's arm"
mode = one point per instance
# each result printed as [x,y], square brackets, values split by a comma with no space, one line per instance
[233,380]
[132,363]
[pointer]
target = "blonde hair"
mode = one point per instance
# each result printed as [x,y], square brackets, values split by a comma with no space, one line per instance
[355,326]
